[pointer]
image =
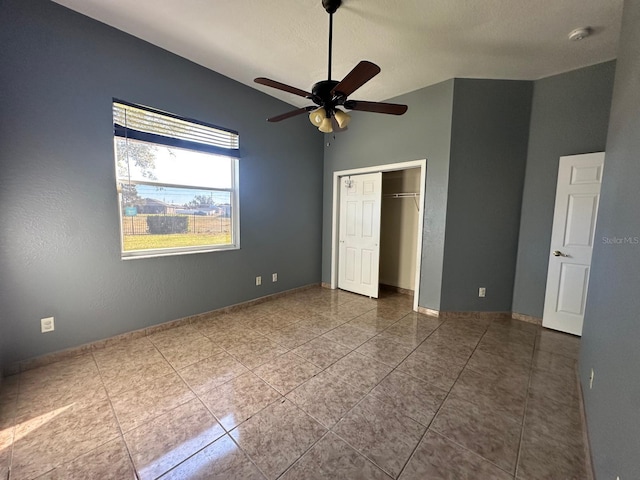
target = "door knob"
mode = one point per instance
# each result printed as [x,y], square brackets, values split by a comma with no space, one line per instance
[558,253]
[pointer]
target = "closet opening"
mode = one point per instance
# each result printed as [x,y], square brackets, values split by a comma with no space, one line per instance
[377,229]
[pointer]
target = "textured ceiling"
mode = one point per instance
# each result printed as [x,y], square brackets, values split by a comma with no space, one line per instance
[416,42]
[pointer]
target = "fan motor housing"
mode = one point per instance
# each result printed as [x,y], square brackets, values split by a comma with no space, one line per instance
[321,92]
[331,5]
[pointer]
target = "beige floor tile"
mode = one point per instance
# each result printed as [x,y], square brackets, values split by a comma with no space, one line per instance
[455,337]
[379,432]
[286,372]
[292,336]
[127,364]
[490,435]
[404,335]
[516,325]
[516,352]
[543,457]
[554,363]
[149,400]
[331,458]
[257,353]
[212,372]
[446,350]
[222,459]
[417,324]
[558,343]
[298,307]
[392,311]
[360,371]
[277,436]
[322,352]
[217,325]
[173,336]
[36,403]
[343,312]
[326,398]
[505,395]
[463,326]
[239,399]
[9,395]
[385,351]
[127,349]
[437,372]
[410,397]
[57,385]
[267,324]
[5,460]
[505,334]
[62,420]
[373,323]
[437,458]
[561,387]
[60,436]
[184,346]
[130,375]
[67,374]
[171,438]
[544,412]
[107,462]
[498,366]
[349,335]
[7,425]
[318,324]
[236,337]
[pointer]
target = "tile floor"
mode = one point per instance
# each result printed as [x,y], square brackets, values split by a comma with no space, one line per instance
[320,384]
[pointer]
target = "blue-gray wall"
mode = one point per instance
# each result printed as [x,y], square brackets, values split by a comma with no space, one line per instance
[59,234]
[569,115]
[486,177]
[473,134]
[372,139]
[611,335]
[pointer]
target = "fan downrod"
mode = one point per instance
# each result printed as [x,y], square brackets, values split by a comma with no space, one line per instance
[331,5]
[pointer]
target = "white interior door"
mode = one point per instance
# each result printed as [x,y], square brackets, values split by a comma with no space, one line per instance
[572,236]
[359,233]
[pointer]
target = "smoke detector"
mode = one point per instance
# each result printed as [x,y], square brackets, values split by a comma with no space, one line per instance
[580,33]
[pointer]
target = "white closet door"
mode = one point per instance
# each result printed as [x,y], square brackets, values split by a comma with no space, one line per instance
[359,254]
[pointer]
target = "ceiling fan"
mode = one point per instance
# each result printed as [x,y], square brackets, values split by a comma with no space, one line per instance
[329,94]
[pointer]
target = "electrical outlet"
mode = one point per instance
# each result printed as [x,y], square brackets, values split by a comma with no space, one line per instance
[47,325]
[482,292]
[258,281]
[591,380]
[274,277]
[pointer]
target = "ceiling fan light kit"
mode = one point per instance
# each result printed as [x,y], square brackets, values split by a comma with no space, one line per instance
[343,118]
[317,115]
[330,94]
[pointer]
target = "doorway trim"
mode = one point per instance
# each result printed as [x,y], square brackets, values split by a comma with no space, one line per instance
[335,220]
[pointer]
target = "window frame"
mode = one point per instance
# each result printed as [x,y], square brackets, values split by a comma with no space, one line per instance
[233,154]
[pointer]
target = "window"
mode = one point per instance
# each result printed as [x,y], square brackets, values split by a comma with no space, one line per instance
[177,182]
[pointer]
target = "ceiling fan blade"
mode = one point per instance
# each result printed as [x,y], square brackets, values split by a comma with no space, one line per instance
[361,74]
[282,86]
[290,114]
[376,107]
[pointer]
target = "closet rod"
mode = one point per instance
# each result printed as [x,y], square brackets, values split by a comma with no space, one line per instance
[404,195]
[401,195]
